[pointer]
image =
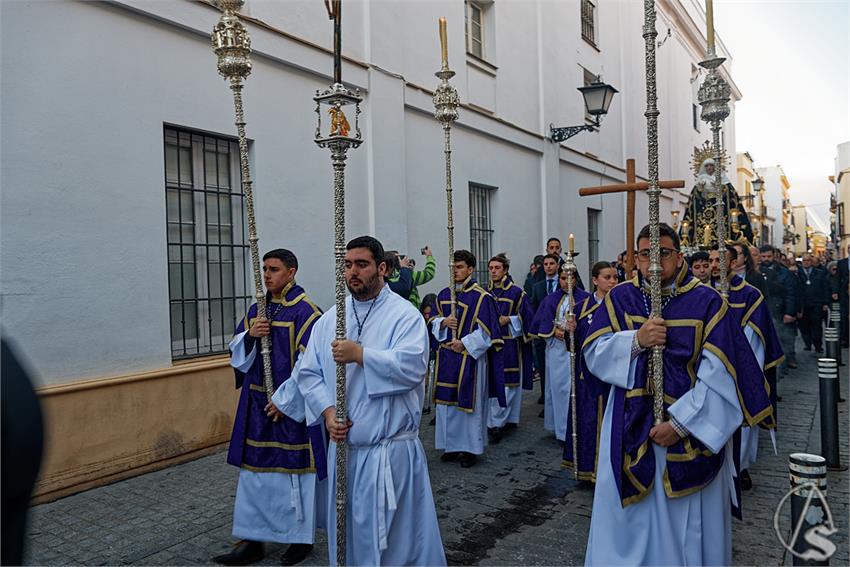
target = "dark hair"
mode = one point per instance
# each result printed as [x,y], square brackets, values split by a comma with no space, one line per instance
[748,256]
[286,256]
[733,254]
[465,256]
[501,258]
[429,300]
[552,256]
[698,256]
[664,229]
[599,266]
[393,264]
[538,259]
[551,238]
[373,244]
[765,248]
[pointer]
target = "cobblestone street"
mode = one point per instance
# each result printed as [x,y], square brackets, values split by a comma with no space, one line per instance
[516,507]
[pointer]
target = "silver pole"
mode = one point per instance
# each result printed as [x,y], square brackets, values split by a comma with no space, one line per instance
[232,44]
[570,266]
[654,194]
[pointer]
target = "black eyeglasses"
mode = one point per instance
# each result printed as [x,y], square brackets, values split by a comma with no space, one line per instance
[665,253]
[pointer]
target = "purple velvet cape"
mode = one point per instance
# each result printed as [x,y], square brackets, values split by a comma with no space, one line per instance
[287,446]
[591,399]
[511,301]
[543,324]
[747,304]
[698,319]
[456,372]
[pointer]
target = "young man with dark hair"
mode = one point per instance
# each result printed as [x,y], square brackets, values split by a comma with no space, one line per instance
[391,517]
[668,485]
[280,458]
[469,364]
[700,266]
[515,316]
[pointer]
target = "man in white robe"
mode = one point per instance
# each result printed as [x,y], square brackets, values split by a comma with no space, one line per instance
[390,514]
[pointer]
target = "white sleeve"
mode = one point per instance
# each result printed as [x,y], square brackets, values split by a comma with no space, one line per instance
[288,399]
[439,334]
[402,366]
[710,410]
[755,344]
[476,343]
[310,379]
[515,326]
[610,359]
[238,359]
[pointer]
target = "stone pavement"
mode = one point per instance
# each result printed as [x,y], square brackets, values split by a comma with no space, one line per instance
[516,507]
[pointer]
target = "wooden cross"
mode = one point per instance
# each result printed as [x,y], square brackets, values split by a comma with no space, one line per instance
[629,187]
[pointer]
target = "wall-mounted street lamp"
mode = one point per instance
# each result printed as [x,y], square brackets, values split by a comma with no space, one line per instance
[597,99]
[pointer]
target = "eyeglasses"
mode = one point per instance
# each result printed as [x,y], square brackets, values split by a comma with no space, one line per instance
[665,253]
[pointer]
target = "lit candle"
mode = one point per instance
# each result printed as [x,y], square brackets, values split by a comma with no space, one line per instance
[709,20]
[734,215]
[444,42]
[572,243]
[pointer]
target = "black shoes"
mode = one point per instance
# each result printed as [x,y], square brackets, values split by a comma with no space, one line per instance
[296,553]
[495,434]
[509,426]
[467,460]
[244,552]
[540,414]
[449,457]
[746,481]
[540,401]
[807,347]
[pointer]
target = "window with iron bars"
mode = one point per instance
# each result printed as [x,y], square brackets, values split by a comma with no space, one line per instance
[208,270]
[481,228]
[588,22]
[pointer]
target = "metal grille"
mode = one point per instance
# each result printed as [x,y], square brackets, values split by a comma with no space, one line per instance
[480,228]
[592,237]
[207,243]
[588,19]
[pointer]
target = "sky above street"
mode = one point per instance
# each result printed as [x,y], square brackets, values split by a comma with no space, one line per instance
[791,60]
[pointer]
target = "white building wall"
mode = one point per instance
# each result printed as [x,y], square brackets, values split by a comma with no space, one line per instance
[772,176]
[84,260]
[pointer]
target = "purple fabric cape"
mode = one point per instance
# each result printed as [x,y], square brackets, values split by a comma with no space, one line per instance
[511,301]
[543,324]
[258,443]
[456,372]
[698,319]
[591,399]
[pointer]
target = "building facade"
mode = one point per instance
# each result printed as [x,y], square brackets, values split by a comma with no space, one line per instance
[754,201]
[777,202]
[124,248]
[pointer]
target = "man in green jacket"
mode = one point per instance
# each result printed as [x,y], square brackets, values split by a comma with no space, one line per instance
[420,277]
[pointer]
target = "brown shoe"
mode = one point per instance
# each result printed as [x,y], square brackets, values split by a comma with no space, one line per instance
[792,365]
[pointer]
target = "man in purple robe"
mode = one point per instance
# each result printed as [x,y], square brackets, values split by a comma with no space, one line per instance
[469,364]
[669,486]
[515,321]
[747,305]
[558,385]
[278,457]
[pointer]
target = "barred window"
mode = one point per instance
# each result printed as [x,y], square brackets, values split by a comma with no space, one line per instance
[588,21]
[481,228]
[475,29]
[592,237]
[207,244]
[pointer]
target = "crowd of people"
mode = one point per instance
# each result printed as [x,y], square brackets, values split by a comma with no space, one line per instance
[472,350]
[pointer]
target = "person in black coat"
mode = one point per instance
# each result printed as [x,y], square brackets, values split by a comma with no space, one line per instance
[547,284]
[745,266]
[782,301]
[840,294]
[816,297]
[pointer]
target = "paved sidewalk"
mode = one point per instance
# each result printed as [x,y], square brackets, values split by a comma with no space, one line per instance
[516,507]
